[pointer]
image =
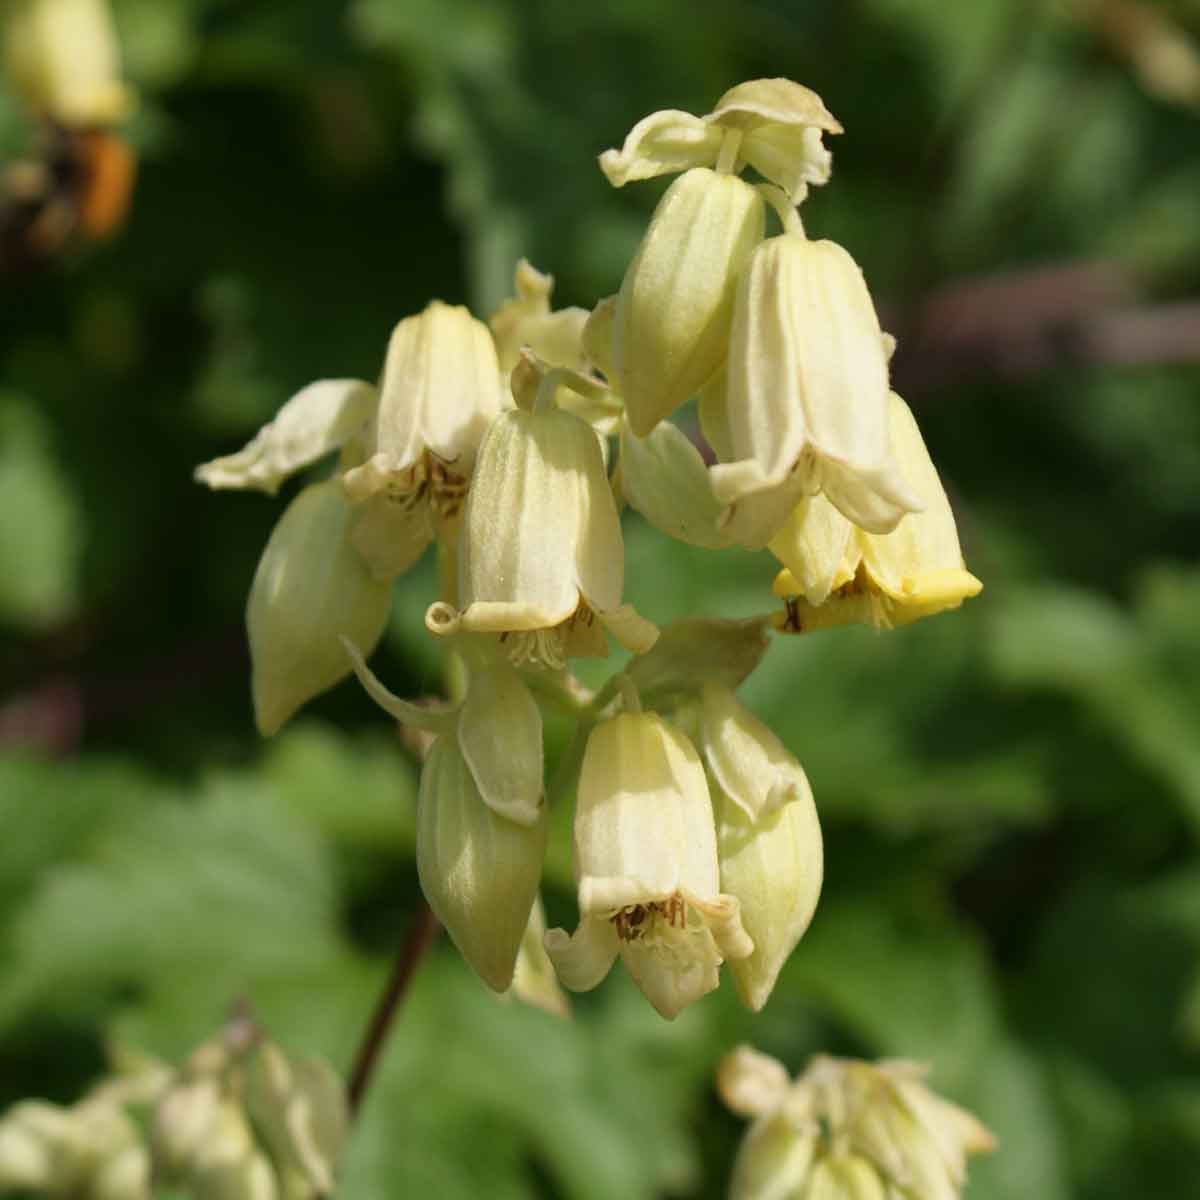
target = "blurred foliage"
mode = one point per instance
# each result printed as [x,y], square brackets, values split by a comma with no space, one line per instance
[1010,794]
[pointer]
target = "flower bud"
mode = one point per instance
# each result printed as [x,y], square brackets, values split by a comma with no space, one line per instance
[298,1107]
[184,1120]
[665,479]
[63,57]
[541,554]
[311,587]
[774,866]
[751,765]
[317,420]
[773,1161]
[671,329]
[808,390]
[479,871]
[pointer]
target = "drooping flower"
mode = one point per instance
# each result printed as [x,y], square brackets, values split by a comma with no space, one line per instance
[837,574]
[806,394]
[441,390]
[646,863]
[846,1128]
[540,555]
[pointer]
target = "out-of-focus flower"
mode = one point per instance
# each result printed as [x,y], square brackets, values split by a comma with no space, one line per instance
[837,574]
[846,1128]
[63,57]
[646,861]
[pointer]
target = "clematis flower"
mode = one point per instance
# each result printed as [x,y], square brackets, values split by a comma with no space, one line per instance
[646,863]
[806,394]
[837,574]
[441,389]
[540,557]
[846,1128]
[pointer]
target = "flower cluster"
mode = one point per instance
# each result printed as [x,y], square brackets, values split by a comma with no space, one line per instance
[239,1119]
[696,840]
[846,1130]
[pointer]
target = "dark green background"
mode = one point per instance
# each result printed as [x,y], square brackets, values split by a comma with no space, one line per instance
[1010,794]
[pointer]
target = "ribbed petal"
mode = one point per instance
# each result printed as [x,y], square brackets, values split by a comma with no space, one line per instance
[529,510]
[671,329]
[643,824]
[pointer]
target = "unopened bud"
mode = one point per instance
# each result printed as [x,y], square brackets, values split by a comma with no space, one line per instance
[311,588]
[671,329]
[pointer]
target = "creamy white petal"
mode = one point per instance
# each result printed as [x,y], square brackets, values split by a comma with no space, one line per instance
[817,545]
[317,420]
[663,143]
[751,1083]
[390,535]
[584,958]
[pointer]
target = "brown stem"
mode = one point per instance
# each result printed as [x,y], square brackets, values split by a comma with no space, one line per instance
[420,937]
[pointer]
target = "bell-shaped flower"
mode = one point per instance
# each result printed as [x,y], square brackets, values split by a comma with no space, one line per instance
[671,325]
[311,588]
[807,394]
[441,389]
[836,573]
[768,836]
[540,554]
[63,58]
[646,864]
[846,1128]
